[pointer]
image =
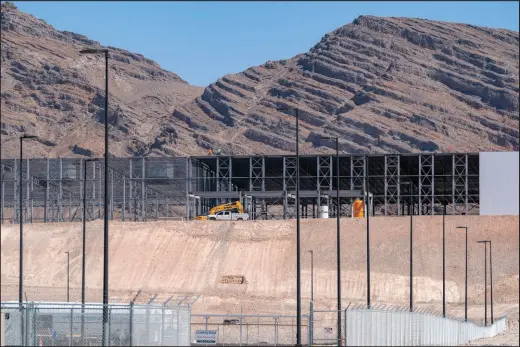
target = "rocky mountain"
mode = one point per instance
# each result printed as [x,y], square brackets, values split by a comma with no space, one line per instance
[49,89]
[380,84]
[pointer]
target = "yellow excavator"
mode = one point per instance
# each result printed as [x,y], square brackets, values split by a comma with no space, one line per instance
[235,206]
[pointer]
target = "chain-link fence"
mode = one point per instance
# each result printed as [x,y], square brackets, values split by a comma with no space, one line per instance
[71,324]
[324,327]
[251,329]
[384,325]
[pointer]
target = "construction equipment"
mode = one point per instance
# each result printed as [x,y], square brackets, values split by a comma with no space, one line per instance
[234,207]
[228,215]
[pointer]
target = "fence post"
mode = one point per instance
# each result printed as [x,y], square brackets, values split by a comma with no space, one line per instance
[345,335]
[162,326]
[148,325]
[178,325]
[311,323]
[70,326]
[21,308]
[131,323]
[109,317]
[241,318]
[27,310]
[276,331]
[34,325]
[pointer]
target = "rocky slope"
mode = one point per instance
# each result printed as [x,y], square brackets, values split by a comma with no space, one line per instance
[380,84]
[49,89]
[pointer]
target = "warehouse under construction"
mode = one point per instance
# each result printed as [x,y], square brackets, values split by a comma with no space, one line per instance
[183,188]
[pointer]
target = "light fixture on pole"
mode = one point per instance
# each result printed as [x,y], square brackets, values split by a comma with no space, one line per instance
[298,280]
[338,235]
[105,231]
[20,284]
[466,277]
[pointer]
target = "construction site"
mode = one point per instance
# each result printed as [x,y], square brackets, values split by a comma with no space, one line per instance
[242,271]
[281,174]
[145,189]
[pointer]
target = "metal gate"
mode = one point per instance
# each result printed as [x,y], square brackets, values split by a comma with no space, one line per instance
[323,327]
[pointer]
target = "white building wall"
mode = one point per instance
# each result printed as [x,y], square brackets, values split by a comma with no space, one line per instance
[498,183]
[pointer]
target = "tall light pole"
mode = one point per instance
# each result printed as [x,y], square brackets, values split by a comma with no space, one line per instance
[312,275]
[491,280]
[338,235]
[68,276]
[466,277]
[84,234]
[445,203]
[298,281]
[410,210]
[485,279]
[105,233]
[20,284]
[83,250]
[368,234]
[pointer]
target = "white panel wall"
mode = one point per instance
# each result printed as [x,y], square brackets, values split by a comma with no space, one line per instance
[498,183]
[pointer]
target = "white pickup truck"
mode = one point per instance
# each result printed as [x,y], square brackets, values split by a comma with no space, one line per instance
[228,215]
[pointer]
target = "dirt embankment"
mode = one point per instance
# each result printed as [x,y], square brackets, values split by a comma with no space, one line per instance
[253,263]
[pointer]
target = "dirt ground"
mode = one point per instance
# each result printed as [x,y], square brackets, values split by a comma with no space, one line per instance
[199,258]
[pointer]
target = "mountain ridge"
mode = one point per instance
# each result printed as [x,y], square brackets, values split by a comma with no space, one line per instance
[382,84]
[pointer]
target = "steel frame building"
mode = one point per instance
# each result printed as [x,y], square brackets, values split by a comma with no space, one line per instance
[152,188]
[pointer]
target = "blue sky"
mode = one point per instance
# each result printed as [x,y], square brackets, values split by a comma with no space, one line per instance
[202,41]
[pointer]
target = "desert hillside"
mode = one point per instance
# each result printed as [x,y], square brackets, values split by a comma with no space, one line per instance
[382,84]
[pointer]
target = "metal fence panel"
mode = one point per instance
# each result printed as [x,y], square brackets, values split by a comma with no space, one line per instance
[376,327]
[68,324]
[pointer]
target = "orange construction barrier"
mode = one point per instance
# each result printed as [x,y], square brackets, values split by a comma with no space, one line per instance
[359,208]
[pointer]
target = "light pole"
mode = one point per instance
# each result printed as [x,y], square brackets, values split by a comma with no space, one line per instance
[312,275]
[105,233]
[298,281]
[84,235]
[410,210]
[68,276]
[466,277]
[338,235]
[368,234]
[83,251]
[491,280]
[20,285]
[485,279]
[445,203]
